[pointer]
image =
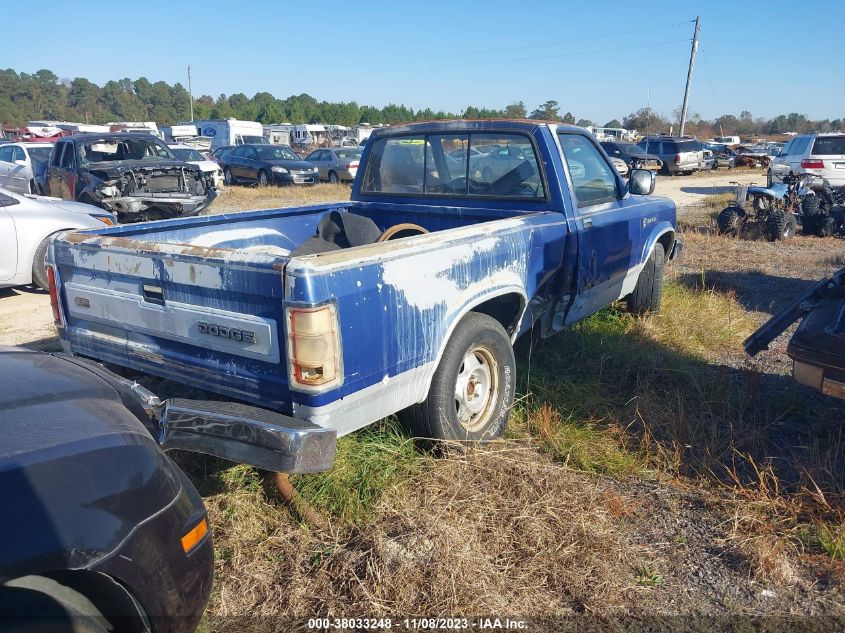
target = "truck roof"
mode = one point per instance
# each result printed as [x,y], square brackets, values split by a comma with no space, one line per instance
[458,125]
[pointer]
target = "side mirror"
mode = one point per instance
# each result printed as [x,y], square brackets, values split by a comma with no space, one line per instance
[641,182]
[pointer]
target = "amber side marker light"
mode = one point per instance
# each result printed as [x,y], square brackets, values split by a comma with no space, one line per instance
[192,538]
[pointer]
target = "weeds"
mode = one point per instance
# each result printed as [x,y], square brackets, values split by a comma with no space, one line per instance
[647,577]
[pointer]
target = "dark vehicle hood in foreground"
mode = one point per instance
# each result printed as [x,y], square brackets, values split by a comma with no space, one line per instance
[78,470]
[48,401]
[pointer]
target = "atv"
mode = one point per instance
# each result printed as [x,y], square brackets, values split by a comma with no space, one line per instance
[824,213]
[778,206]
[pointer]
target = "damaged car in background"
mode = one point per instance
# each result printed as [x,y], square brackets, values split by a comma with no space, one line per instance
[817,347]
[135,176]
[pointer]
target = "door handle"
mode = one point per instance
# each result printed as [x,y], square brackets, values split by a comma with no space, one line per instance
[588,222]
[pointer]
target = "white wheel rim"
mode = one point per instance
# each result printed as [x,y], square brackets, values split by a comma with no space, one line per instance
[476,389]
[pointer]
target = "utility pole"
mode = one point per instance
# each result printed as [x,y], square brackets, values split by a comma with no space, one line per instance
[191,94]
[689,73]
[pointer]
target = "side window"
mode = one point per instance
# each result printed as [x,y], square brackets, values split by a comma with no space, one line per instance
[67,156]
[238,152]
[396,165]
[593,179]
[17,154]
[803,145]
[56,156]
[250,153]
[786,148]
[6,154]
[505,165]
[651,147]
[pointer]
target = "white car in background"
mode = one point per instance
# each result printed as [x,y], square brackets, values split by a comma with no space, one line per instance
[27,222]
[191,155]
[23,166]
[820,154]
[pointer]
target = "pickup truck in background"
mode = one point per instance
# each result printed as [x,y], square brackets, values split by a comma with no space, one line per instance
[460,237]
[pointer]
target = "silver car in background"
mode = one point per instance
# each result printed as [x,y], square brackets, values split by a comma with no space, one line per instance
[336,164]
[27,222]
[23,166]
[819,154]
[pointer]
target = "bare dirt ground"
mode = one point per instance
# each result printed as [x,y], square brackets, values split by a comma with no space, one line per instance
[690,191]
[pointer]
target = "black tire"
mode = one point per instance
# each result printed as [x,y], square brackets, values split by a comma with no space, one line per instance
[227,177]
[333,178]
[728,221]
[29,611]
[824,226]
[648,292]
[811,206]
[780,225]
[39,274]
[263,180]
[481,339]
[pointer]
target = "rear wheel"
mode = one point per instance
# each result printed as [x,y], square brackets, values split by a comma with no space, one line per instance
[780,225]
[728,221]
[39,272]
[472,390]
[648,292]
[227,177]
[333,178]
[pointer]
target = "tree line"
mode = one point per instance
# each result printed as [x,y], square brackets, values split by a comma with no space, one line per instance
[43,95]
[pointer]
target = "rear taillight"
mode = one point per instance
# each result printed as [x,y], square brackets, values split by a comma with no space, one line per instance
[54,294]
[354,164]
[677,159]
[812,163]
[314,348]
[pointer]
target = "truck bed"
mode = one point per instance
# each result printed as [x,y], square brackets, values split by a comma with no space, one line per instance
[138,295]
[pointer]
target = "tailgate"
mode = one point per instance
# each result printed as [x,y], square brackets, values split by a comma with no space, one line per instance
[208,317]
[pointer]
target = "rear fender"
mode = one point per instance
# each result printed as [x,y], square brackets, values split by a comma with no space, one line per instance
[466,308]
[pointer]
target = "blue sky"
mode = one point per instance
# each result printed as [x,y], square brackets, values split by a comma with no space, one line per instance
[599,60]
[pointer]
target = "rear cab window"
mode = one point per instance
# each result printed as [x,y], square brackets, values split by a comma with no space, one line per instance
[495,165]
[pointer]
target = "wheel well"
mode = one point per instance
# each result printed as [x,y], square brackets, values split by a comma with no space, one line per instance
[506,309]
[90,593]
[667,240]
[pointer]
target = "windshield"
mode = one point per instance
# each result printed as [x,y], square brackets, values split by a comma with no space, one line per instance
[111,149]
[187,154]
[633,150]
[349,153]
[275,152]
[40,154]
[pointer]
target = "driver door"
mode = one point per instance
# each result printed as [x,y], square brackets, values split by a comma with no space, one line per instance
[610,233]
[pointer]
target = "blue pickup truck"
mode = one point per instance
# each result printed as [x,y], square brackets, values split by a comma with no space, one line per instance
[460,236]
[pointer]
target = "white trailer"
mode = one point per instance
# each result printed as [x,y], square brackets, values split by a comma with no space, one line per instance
[225,132]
